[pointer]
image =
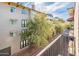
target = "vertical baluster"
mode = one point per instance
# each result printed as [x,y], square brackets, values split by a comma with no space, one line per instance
[51,51]
[25,42]
[20,44]
[47,52]
[59,51]
[54,49]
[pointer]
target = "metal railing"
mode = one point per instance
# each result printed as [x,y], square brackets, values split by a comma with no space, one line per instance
[59,46]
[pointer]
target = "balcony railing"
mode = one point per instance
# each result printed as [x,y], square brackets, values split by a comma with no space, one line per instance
[57,47]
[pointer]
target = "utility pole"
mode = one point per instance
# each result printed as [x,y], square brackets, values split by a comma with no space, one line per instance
[76,28]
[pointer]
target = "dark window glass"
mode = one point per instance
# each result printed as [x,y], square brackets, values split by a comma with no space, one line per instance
[11,34]
[23,12]
[13,21]
[23,23]
[13,9]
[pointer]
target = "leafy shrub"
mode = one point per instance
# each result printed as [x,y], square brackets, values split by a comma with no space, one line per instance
[59,26]
[69,25]
[40,29]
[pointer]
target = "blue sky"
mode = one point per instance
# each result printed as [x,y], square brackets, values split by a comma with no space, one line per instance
[57,9]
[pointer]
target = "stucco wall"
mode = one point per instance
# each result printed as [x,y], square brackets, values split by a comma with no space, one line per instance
[6,27]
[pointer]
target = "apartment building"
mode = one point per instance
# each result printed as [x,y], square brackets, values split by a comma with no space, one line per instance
[13,20]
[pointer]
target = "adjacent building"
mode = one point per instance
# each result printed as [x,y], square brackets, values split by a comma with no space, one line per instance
[13,19]
[71,14]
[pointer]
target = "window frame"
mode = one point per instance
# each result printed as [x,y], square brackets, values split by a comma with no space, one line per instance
[13,21]
[13,9]
[23,22]
[12,34]
[24,12]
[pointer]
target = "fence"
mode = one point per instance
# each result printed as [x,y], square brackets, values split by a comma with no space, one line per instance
[57,47]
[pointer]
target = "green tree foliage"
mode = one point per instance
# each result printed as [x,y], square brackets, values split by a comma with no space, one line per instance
[40,29]
[70,25]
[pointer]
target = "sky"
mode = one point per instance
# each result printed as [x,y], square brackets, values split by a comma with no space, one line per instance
[57,9]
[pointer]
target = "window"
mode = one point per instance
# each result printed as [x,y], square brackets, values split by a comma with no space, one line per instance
[11,34]
[23,30]
[23,23]
[13,9]
[23,12]
[23,42]
[13,21]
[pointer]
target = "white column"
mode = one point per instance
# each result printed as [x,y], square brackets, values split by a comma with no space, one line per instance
[76,28]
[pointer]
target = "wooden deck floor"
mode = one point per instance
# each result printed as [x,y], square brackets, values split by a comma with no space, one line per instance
[28,52]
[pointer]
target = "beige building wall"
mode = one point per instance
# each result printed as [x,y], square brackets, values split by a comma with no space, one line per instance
[6,27]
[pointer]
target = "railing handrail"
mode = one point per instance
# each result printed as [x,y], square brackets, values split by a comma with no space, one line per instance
[49,45]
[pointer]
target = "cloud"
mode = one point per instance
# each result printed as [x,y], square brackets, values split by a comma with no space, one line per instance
[53,5]
[50,8]
[63,15]
[56,6]
[40,7]
[36,3]
[53,8]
